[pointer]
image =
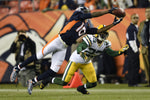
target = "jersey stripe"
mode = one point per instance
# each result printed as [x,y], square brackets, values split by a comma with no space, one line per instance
[66,70]
[88,40]
[68,26]
[49,43]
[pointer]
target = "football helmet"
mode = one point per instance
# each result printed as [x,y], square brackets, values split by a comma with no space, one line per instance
[102,36]
[83,9]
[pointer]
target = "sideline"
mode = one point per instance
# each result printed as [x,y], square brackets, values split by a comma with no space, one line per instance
[72,90]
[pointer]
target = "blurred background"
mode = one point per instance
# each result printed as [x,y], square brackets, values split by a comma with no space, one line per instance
[43,19]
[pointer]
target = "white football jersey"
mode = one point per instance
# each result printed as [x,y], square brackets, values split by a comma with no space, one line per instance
[92,50]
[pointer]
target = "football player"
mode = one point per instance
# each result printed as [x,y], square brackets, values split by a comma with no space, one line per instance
[72,32]
[91,46]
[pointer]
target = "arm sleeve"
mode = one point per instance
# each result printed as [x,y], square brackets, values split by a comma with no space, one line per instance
[111,52]
[81,46]
[130,33]
[91,30]
[133,45]
[81,16]
[88,39]
[131,38]
[90,23]
[85,16]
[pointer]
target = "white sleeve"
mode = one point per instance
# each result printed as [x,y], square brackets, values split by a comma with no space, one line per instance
[88,40]
[133,45]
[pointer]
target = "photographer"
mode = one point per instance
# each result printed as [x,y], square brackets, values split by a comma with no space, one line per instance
[24,47]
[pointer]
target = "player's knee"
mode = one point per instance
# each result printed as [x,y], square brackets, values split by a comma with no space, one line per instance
[39,55]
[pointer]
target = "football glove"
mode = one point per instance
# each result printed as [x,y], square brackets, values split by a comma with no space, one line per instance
[124,49]
[83,55]
[112,9]
[117,21]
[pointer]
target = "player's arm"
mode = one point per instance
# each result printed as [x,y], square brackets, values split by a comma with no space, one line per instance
[100,13]
[100,31]
[81,47]
[114,53]
[115,22]
[111,52]
[87,41]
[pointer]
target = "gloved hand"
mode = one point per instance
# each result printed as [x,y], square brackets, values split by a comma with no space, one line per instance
[124,49]
[117,21]
[112,9]
[83,55]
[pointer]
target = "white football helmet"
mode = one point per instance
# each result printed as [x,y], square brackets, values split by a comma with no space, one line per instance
[83,9]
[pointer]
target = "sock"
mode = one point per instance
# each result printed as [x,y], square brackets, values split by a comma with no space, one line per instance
[34,81]
[57,81]
[18,67]
[84,86]
[53,80]
[90,85]
[48,73]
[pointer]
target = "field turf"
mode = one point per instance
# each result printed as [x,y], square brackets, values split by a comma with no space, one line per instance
[55,92]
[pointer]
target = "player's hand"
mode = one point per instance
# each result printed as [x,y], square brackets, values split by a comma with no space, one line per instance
[112,9]
[124,49]
[117,21]
[83,55]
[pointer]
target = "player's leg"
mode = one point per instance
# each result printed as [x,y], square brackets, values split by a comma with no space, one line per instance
[57,59]
[89,72]
[71,68]
[48,48]
[68,73]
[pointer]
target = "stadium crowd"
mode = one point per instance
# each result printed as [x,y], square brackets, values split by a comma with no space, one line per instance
[15,6]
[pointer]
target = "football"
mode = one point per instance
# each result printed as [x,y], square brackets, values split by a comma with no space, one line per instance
[119,12]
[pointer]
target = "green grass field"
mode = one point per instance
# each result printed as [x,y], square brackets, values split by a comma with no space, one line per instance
[55,92]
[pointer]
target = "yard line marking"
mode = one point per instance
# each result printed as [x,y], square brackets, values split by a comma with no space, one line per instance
[72,90]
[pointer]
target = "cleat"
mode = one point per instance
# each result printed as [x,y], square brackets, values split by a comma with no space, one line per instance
[45,82]
[82,90]
[14,74]
[42,86]
[30,86]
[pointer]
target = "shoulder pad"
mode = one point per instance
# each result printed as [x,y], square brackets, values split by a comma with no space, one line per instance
[88,39]
[107,43]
